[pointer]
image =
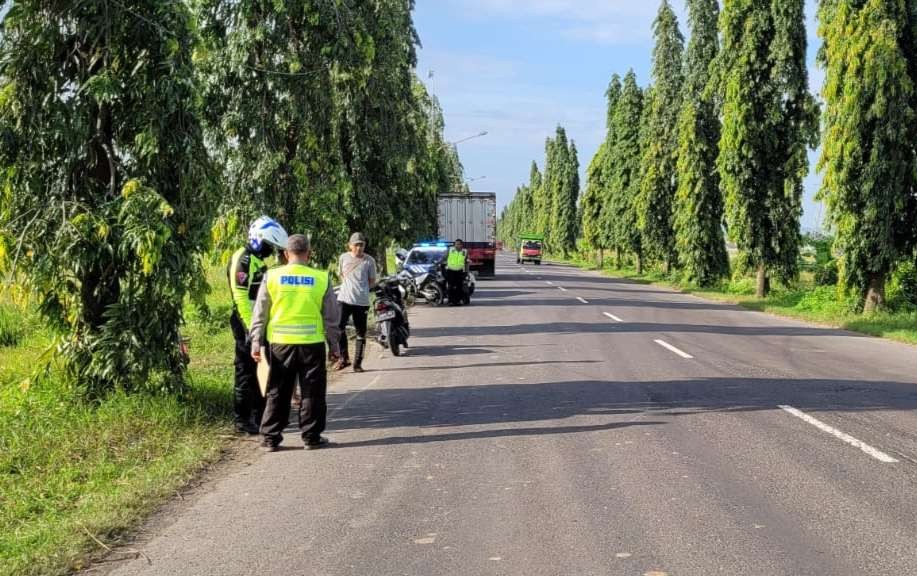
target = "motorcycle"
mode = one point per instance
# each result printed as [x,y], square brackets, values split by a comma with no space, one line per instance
[408,288]
[391,315]
[431,286]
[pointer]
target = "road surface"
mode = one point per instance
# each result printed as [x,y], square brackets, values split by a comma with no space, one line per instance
[569,424]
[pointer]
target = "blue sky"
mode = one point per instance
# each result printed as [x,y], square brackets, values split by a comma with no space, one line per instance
[517,68]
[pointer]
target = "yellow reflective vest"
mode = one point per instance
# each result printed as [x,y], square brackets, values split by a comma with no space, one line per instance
[296,293]
[456,260]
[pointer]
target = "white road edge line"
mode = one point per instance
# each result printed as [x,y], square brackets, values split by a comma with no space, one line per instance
[671,348]
[583,300]
[612,316]
[877,454]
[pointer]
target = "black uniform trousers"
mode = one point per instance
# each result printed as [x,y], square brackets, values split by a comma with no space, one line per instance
[248,404]
[455,284]
[302,364]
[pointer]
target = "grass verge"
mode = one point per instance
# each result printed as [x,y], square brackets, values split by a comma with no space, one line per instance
[73,474]
[805,301]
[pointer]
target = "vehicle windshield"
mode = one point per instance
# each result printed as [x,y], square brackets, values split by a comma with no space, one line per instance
[532,245]
[425,256]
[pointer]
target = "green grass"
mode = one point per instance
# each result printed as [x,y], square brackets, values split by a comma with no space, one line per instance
[69,469]
[804,301]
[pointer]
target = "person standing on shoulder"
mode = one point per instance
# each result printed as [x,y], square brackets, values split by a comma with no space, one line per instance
[296,313]
[357,270]
[456,269]
[246,272]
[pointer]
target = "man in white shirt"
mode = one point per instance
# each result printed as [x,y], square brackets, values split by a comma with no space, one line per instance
[357,271]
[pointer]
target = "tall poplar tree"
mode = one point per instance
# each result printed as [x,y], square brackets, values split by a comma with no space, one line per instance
[594,205]
[699,236]
[868,155]
[559,183]
[769,120]
[659,161]
[604,191]
[625,163]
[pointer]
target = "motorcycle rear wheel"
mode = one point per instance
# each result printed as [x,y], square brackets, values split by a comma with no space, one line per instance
[437,296]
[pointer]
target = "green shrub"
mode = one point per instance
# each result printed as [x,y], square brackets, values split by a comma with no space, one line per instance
[902,289]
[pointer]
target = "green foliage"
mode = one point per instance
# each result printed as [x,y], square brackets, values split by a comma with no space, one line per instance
[655,208]
[318,119]
[868,158]
[624,168]
[106,183]
[548,205]
[70,467]
[700,240]
[769,120]
[902,289]
[11,328]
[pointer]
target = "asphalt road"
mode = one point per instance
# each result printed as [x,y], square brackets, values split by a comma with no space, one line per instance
[569,424]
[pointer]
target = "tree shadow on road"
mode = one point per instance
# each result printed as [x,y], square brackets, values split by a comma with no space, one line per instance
[626,327]
[486,299]
[598,405]
[501,433]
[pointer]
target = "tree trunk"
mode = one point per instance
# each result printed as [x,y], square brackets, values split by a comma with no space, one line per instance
[762,285]
[601,257]
[667,266]
[638,259]
[618,258]
[875,293]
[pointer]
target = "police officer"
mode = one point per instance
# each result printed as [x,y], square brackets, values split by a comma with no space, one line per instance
[456,268]
[246,270]
[297,313]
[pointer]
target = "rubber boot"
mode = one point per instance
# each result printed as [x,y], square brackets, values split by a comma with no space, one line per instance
[344,362]
[359,349]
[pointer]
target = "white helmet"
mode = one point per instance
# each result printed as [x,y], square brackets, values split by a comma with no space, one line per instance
[266,230]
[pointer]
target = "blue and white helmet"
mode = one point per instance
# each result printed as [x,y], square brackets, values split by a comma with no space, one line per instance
[266,231]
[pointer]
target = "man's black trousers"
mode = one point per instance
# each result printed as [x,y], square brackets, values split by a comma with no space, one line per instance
[455,283]
[248,404]
[304,363]
[359,314]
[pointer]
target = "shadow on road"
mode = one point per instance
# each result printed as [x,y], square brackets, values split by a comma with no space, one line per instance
[487,299]
[626,327]
[488,365]
[490,404]
[502,433]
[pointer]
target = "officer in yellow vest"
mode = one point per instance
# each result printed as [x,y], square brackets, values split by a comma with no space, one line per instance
[456,268]
[297,313]
[245,273]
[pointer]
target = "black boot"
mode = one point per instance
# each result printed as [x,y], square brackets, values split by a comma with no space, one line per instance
[359,349]
[344,362]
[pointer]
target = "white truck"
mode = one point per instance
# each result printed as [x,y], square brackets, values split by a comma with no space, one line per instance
[471,218]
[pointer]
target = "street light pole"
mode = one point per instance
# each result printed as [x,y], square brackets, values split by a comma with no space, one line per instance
[478,135]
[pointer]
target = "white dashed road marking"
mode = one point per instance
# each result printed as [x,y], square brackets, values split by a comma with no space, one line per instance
[877,454]
[671,348]
[612,316]
[583,300]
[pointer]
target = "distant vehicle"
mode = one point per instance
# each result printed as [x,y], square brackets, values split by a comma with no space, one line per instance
[530,248]
[471,218]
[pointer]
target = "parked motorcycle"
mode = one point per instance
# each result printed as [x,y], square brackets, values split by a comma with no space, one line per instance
[391,315]
[431,286]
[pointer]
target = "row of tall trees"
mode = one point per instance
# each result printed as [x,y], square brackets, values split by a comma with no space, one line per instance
[127,129]
[717,143]
[548,203]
